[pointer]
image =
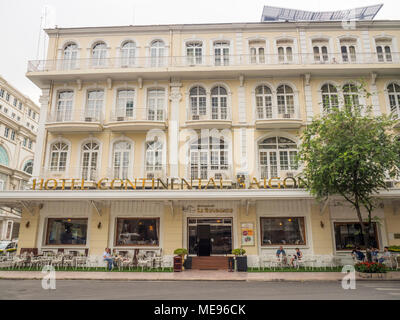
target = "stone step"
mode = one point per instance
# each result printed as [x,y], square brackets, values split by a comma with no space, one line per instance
[210,263]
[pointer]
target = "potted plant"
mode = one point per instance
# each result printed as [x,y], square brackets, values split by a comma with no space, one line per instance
[182,252]
[241,260]
[371,269]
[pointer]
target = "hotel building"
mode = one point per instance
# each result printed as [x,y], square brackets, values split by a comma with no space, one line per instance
[19,121]
[175,134]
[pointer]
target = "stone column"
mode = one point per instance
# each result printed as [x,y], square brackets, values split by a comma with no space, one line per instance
[41,134]
[173,129]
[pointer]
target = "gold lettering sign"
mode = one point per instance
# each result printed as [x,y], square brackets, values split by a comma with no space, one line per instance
[165,184]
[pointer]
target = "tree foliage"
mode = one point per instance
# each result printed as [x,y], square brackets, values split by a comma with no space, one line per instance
[350,153]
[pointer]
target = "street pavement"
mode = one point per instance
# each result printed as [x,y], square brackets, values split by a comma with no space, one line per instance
[198,290]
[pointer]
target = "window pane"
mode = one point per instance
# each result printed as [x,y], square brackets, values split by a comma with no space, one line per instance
[66,231]
[283,231]
[137,231]
[348,236]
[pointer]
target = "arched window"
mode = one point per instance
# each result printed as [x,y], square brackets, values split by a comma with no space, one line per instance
[264,102]
[95,99]
[221,52]
[64,106]
[58,156]
[3,157]
[121,159]
[155,104]
[70,56]
[320,53]
[125,103]
[350,95]
[154,151]
[393,90]
[128,53]
[28,167]
[157,53]
[208,156]
[384,49]
[90,155]
[285,50]
[285,96]
[194,53]
[99,54]
[277,154]
[198,105]
[219,103]
[330,98]
[348,49]
[257,51]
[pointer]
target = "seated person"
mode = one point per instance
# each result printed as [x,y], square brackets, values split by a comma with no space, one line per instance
[386,257]
[374,254]
[282,252]
[358,254]
[107,257]
[296,257]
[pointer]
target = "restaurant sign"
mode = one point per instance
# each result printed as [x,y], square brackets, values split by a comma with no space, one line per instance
[166,184]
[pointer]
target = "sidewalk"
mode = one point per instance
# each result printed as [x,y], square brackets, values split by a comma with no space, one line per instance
[192,275]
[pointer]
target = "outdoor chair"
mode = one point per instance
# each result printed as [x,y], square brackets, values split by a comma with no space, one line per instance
[309,261]
[167,262]
[144,262]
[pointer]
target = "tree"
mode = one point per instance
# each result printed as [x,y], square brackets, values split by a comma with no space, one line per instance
[350,153]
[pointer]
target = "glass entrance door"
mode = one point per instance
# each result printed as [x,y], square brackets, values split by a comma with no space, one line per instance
[214,232]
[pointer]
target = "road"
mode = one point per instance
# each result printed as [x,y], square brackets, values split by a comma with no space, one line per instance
[197,290]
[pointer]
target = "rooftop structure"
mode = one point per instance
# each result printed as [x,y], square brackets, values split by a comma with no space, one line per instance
[284,14]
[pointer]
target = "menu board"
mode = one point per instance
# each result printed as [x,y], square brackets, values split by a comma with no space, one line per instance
[247,233]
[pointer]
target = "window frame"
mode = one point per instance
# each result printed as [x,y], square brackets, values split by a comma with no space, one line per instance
[158,219]
[46,243]
[273,245]
[335,223]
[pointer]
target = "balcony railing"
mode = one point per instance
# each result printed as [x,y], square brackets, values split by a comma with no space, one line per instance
[276,113]
[139,114]
[210,115]
[212,61]
[60,116]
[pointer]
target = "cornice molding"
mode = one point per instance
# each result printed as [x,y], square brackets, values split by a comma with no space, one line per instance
[233,27]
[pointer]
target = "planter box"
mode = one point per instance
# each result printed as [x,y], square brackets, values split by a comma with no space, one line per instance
[188,263]
[372,275]
[241,264]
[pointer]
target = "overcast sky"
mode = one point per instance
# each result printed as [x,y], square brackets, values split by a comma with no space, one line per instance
[20,21]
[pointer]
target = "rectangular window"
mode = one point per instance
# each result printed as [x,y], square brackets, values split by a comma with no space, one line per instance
[283,231]
[7,96]
[137,232]
[348,236]
[15,102]
[2,93]
[30,144]
[6,132]
[66,231]
[12,135]
[25,141]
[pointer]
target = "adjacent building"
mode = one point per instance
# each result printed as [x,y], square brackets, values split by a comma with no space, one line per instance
[157,137]
[19,121]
